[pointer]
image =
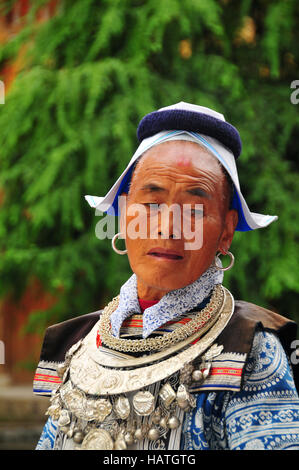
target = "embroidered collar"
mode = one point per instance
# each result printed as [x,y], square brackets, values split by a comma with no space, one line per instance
[172,304]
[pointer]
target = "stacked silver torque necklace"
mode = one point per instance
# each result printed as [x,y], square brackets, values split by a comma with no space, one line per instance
[110,400]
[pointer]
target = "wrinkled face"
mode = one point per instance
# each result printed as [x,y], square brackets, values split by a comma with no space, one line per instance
[177,174]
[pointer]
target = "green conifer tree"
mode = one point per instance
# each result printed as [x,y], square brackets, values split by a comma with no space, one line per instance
[68,129]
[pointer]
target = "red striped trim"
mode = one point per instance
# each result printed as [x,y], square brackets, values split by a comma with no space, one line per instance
[226,371]
[98,340]
[46,378]
[138,323]
[183,321]
[195,341]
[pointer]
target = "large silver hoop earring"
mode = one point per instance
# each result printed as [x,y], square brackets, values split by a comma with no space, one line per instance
[232,261]
[119,252]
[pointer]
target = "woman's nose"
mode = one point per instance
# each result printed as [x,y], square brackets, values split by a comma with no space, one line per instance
[169,220]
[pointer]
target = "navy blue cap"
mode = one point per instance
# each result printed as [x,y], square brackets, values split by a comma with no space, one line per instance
[179,119]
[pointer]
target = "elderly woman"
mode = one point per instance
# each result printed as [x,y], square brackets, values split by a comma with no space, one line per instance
[174,362]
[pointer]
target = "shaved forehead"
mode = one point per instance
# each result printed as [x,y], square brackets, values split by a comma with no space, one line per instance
[181,161]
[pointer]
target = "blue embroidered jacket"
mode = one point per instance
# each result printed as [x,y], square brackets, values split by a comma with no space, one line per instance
[249,400]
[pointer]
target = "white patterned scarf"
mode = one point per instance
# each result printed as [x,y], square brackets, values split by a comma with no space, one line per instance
[170,306]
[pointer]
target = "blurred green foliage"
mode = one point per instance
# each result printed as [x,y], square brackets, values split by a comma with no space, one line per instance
[68,128]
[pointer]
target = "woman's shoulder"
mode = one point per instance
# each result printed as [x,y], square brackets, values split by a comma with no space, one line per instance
[249,318]
[252,313]
[59,338]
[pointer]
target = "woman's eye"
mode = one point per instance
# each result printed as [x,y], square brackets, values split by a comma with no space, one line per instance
[197,212]
[153,206]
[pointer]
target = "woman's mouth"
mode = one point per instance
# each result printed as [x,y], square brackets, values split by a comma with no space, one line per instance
[162,253]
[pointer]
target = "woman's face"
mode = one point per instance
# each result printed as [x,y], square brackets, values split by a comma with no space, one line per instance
[184,174]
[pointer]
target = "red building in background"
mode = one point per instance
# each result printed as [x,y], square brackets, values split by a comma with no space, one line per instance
[21,350]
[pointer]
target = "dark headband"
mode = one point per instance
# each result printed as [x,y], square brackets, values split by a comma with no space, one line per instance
[178,119]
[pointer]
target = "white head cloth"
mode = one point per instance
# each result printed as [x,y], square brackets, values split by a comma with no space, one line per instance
[247,220]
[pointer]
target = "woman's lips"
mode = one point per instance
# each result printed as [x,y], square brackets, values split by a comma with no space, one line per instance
[162,253]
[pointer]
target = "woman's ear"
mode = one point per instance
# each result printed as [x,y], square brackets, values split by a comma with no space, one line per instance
[231,222]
